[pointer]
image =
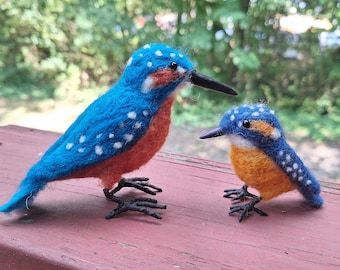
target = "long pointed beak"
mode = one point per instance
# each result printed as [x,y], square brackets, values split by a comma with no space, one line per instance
[206,82]
[216,132]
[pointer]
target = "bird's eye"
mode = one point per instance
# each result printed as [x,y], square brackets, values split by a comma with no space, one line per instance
[173,66]
[246,124]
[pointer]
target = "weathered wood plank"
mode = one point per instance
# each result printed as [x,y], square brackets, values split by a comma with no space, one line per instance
[68,231]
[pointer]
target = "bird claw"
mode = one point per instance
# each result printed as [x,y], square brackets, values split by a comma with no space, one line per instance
[247,208]
[238,194]
[142,205]
[140,183]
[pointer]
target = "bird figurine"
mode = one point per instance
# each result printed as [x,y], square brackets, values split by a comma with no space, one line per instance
[119,132]
[262,159]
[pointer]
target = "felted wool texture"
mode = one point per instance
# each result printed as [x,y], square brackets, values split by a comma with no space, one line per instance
[111,125]
[271,153]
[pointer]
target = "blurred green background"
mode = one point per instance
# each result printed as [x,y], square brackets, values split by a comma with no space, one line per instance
[63,54]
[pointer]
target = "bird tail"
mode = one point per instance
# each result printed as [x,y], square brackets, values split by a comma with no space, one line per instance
[24,195]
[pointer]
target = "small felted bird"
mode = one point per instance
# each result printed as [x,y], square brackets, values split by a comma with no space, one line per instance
[262,159]
[120,131]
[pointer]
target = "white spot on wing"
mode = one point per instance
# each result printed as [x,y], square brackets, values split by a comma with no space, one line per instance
[172,55]
[308,182]
[117,145]
[82,138]
[289,169]
[81,150]
[149,64]
[272,112]
[69,146]
[180,55]
[288,158]
[132,115]
[295,166]
[255,114]
[300,178]
[281,153]
[111,135]
[99,135]
[137,125]
[128,137]
[98,149]
[145,113]
[232,117]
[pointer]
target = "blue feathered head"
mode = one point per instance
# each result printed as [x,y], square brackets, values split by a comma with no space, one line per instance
[255,123]
[156,70]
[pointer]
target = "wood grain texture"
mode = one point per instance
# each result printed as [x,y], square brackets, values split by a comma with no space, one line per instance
[67,229]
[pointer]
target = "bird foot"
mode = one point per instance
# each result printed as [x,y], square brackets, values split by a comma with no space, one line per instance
[140,183]
[143,205]
[247,208]
[238,194]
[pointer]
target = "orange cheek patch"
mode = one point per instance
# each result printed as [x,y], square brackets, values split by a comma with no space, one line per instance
[164,77]
[262,127]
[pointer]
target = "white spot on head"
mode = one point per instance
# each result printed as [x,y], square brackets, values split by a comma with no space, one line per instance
[295,166]
[81,150]
[261,110]
[240,141]
[137,125]
[145,113]
[288,158]
[236,111]
[251,107]
[255,114]
[272,112]
[149,64]
[180,55]
[276,134]
[128,63]
[300,178]
[281,153]
[146,46]
[128,137]
[308,182]
[147,85]
[172,55]
[140,55]
[82,138]
[289,169]
[158,53]
[98,149]
[69,146]
[239,124]
[111,135]
[99,135]
[132,115]
[232,117]
[117,145]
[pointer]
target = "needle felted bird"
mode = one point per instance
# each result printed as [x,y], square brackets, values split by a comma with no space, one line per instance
[120,131]
[262,159]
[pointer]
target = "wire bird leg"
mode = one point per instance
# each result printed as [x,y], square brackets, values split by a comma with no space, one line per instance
[245,209]
[140,183]
[239,194]
[143,205]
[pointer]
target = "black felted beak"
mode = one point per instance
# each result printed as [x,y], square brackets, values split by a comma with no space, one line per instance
[216,132]
[206,82]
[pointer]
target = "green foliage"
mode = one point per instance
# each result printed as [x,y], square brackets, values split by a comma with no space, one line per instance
[51,48]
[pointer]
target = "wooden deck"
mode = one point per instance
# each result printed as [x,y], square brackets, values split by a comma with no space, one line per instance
[67,230]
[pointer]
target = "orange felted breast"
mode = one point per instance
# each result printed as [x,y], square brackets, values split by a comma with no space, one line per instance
[257,170]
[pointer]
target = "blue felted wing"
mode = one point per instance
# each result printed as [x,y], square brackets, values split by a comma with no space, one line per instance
[299,174]
[101,132]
